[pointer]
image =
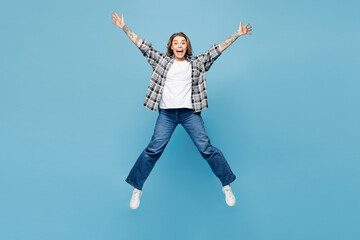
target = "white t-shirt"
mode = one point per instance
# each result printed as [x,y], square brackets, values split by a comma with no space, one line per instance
[177,88]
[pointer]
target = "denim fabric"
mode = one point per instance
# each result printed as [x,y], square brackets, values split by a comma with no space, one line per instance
[166,123]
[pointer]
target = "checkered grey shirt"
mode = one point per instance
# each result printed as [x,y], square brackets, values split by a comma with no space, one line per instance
[161,63]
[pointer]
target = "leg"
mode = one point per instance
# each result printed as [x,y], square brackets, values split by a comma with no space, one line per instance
[165,126]
[194,126]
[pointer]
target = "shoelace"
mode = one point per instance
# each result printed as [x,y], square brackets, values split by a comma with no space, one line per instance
[136,193]
[228,191]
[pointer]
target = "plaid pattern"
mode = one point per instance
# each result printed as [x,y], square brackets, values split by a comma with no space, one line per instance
[161,63]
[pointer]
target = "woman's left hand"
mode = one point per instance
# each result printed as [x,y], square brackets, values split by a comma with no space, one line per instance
[244,29]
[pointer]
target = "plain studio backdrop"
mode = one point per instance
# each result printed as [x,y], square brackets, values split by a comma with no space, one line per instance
[283,108]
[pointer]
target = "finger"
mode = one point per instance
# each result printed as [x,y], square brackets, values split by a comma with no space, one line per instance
[116,14]
[240,23]
[122,16]
[246,25]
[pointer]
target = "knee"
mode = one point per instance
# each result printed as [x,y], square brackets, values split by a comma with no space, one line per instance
[206,149]
[155,148]
[153,152]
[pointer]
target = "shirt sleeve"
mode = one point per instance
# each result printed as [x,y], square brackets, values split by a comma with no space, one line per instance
[208,57]
[152,56]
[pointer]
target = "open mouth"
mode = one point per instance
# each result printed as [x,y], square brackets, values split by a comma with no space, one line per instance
[180,52]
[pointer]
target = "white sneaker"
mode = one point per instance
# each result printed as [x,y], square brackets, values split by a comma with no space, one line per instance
[135,199]
[229,196]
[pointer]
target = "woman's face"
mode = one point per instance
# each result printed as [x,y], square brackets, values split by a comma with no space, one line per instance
[179,47]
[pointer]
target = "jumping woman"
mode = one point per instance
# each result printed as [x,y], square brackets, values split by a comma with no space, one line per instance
[178,90]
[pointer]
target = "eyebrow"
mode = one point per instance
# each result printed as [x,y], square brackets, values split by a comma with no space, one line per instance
[181,40]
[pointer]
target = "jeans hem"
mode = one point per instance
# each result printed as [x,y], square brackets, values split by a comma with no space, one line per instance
[229,181]
[134,185]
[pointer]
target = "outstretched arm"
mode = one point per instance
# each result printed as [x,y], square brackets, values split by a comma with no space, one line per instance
[241,31]
[121,24]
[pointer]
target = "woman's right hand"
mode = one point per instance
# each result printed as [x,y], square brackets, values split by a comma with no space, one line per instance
[118,21]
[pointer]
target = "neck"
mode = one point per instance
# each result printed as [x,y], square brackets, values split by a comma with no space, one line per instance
[179,59]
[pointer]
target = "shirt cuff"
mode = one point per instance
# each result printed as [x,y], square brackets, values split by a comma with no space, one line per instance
[217,49]
[144,46]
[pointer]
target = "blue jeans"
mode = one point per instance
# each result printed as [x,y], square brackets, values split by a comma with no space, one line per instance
[166,123]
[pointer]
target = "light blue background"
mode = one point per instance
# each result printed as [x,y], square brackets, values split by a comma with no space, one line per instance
[283,108]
